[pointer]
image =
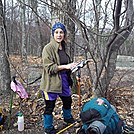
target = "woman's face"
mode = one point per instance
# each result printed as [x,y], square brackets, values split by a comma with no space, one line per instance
[58,35]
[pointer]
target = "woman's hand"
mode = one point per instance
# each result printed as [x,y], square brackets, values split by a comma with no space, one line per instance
[68,66]
[71,65]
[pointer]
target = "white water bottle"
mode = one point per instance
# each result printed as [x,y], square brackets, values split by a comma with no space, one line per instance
[20,122]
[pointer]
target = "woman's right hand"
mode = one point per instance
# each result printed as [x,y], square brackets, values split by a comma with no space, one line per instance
[68,66]
[71,65]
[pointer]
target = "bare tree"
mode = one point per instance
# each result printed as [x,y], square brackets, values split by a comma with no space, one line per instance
[104,32]
[23,29]
[120,34]
[34,5]
[103,25]
[4,64]
[121,27]
[71,8]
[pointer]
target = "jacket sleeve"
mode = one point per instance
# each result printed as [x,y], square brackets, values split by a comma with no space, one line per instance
[48,62]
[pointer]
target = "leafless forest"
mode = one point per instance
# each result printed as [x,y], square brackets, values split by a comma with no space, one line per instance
[98,30]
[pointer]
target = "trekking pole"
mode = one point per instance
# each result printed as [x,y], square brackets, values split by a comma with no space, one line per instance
[69,126]
[10,110]
[64,129]
[78,67]
[11,103]
[79,91]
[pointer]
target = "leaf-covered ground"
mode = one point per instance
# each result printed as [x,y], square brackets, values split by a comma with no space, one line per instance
[121,95]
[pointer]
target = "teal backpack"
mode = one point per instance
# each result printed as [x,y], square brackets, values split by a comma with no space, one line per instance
[100,117]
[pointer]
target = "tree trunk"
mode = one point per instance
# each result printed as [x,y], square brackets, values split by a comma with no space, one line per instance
[71,8]
[23,41]
[113,46]
[5,78]
[57,15]
[34,5]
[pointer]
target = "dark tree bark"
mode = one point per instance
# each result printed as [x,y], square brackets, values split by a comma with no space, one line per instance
[71,8]
[4,64]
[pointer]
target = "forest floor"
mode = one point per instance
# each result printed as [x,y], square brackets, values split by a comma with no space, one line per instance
[120,94]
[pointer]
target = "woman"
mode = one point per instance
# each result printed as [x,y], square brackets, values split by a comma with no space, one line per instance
[56,80]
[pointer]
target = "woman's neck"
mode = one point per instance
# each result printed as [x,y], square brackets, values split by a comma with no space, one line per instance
[60,46]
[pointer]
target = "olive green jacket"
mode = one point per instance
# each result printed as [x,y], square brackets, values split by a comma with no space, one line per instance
[51,80]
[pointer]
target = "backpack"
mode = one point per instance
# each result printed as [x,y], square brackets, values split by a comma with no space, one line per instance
[100,117]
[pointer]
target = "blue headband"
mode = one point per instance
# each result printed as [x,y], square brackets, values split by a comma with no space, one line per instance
[58,25]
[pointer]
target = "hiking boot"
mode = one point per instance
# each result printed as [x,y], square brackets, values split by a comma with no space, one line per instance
[51,131]
[69,121]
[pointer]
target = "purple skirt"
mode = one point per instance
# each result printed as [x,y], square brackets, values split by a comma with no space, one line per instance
[65,88]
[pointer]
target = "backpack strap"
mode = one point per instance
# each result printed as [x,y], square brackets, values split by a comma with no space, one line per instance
[118,127]
[108,116]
